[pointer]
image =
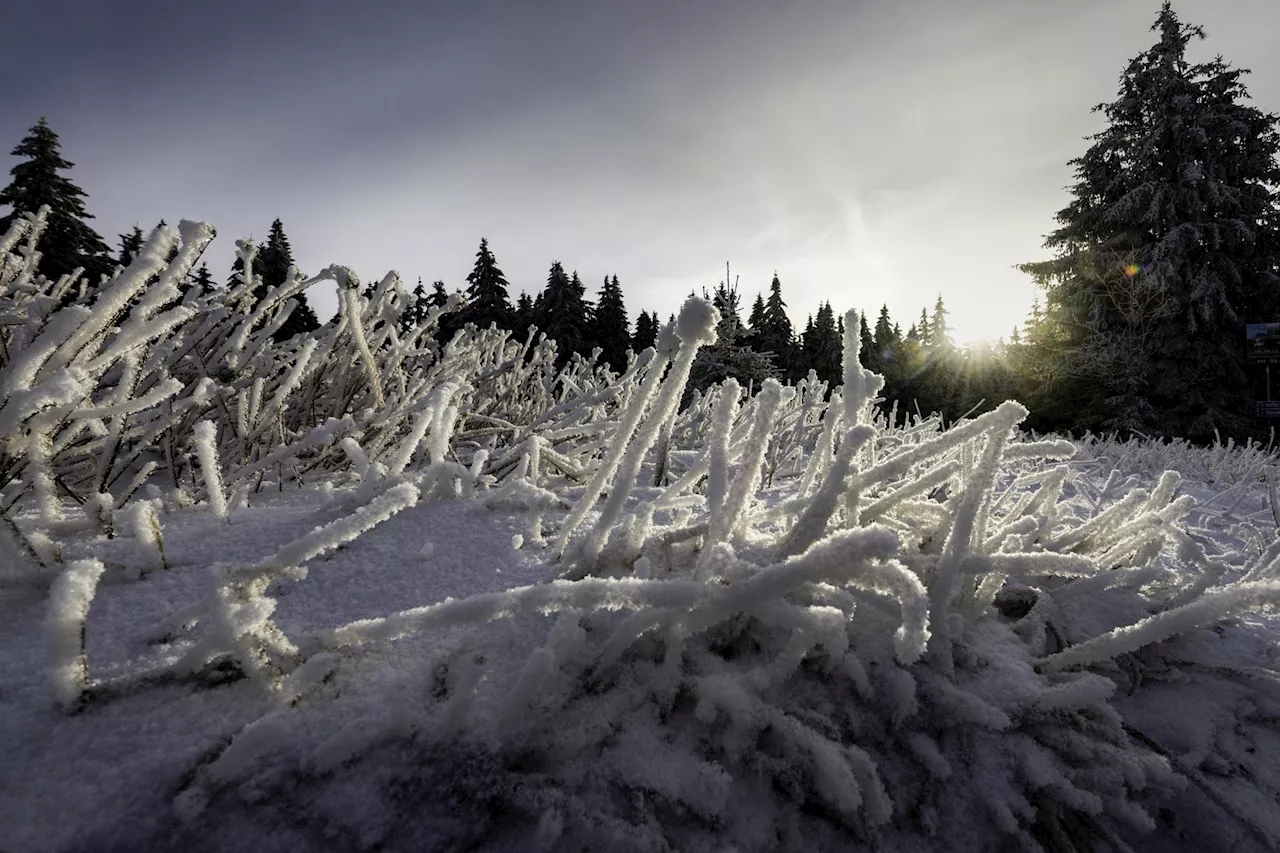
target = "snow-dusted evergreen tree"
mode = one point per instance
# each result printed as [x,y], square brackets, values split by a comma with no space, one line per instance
[613,329]
[1168,247]
[730,356]
[68,242]
[561,313]
[646,333]
[487,300]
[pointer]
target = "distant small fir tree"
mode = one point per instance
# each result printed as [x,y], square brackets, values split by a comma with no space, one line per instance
[438,296]
[415,313]
[756,319]
[274,260]
[825,352]
[730,355]
[939,332]
[487,300]
[776,335]
[866,344]
[613,332]
[646,334]
[561,314]
[523,314]
[130,245]
[203,281]
[884,337]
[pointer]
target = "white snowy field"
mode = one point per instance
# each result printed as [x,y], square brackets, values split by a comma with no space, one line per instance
[357,591]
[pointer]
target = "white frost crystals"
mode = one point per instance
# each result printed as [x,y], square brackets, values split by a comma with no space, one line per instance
[69,600]
[765,620]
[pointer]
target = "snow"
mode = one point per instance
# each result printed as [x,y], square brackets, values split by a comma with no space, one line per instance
[768,621]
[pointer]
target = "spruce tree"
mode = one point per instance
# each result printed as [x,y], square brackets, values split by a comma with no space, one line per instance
[415,314]
[588,309]
[807,346]
[272,265]
[523,314]
[562,315]
[884,338]
[487,300]
[130,245]
[1169,246]
[776,335]
[824,350]
[204,281]
[756,319]
[730,355]
[939,332]
[438,296]
[866,344]
[68,242]
[646,334]
[613,328]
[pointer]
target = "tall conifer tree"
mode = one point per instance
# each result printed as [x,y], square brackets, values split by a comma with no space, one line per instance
[68,242]
[1168,247]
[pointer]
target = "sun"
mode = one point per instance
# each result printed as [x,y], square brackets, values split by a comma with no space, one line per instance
[978,343]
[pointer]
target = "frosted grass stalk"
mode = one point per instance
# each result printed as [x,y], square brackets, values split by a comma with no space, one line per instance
[69,600]
[821,506]
[621,440]
[205,436]
[732,518]
[1211,608]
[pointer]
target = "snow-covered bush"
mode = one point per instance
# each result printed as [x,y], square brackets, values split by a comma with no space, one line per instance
[916,630]
[780,622]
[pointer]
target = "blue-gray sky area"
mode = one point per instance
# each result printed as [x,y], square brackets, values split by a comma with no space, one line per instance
[870,152]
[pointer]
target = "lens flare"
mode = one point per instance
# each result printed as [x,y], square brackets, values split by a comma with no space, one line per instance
[1133,269]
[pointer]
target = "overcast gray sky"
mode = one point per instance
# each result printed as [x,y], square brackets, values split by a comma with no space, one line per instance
[871,152]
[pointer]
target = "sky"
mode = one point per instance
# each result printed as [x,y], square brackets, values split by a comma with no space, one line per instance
[872,153]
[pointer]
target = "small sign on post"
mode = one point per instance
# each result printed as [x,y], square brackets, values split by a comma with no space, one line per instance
[1262,346]
[1263,343]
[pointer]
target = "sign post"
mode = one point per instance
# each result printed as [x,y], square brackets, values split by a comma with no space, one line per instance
[1262,346]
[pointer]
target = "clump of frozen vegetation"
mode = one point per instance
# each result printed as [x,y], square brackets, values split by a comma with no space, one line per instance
[779,622]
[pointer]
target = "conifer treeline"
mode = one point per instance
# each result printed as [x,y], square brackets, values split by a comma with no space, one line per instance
[923,368]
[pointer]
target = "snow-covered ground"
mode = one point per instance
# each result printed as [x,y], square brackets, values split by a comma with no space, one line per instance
[354,591]
[112,776]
